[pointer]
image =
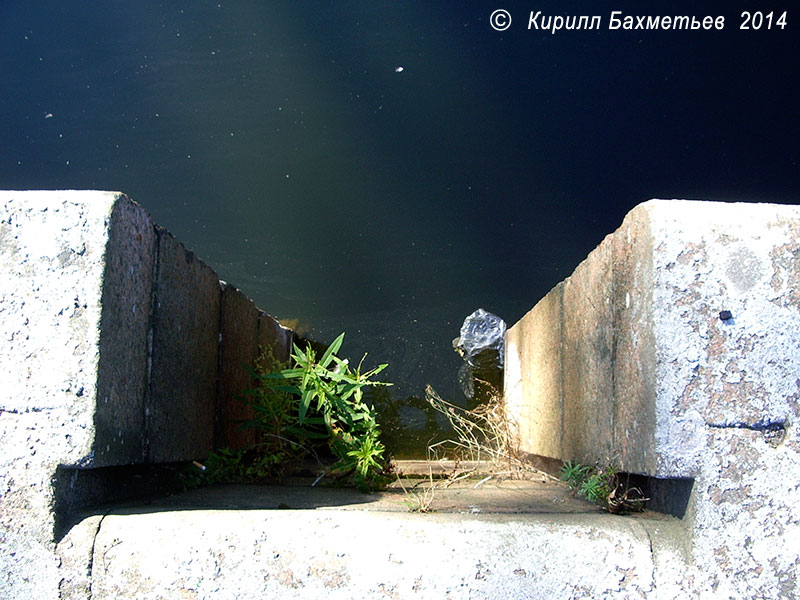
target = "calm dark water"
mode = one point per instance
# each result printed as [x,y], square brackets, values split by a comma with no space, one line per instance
[280,141]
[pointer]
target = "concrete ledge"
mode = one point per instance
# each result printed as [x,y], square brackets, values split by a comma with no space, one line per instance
[346,555]
[111,357]
[280,542]
[672,350]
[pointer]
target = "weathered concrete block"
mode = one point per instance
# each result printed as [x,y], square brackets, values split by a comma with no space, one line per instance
[587,358]
[76,277]
[344,554]
[124,326]
[74,553]
[533,376]
[113,355]
[238,348]
[746,526]
[183,386]
[646,362]
[634,397]
[244,330]
[679,359]
[274,337]
[742,372]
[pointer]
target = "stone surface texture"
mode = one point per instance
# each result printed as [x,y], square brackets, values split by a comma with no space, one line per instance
[535,344]
[363,554]
[502,539]
[653,378]
[274,339]
[110,357]
[238,345]
[67,302]
[183,383]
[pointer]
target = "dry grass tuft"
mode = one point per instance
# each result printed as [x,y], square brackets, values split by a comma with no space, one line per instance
[420,497]
[486,442]
[486,435]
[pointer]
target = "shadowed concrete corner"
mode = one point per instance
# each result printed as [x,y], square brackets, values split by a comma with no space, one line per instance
[112,363]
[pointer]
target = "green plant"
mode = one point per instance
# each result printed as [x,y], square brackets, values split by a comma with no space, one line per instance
[604,487]
[304,405]
[574,474]
[368,455]
[598,485]
[323,400]
[280,438]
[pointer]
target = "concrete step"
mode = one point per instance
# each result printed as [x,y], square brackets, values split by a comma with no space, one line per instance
[498,539]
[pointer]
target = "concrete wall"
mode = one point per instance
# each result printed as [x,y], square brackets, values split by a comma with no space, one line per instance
[120,347]
[628,360]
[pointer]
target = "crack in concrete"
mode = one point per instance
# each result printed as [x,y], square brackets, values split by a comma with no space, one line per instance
[90,565]
[774,432]
[654,574]
[762,426]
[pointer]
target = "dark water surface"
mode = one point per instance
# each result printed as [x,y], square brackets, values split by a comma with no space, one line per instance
[280,141]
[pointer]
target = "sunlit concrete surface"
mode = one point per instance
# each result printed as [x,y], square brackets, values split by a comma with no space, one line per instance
[509,539]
